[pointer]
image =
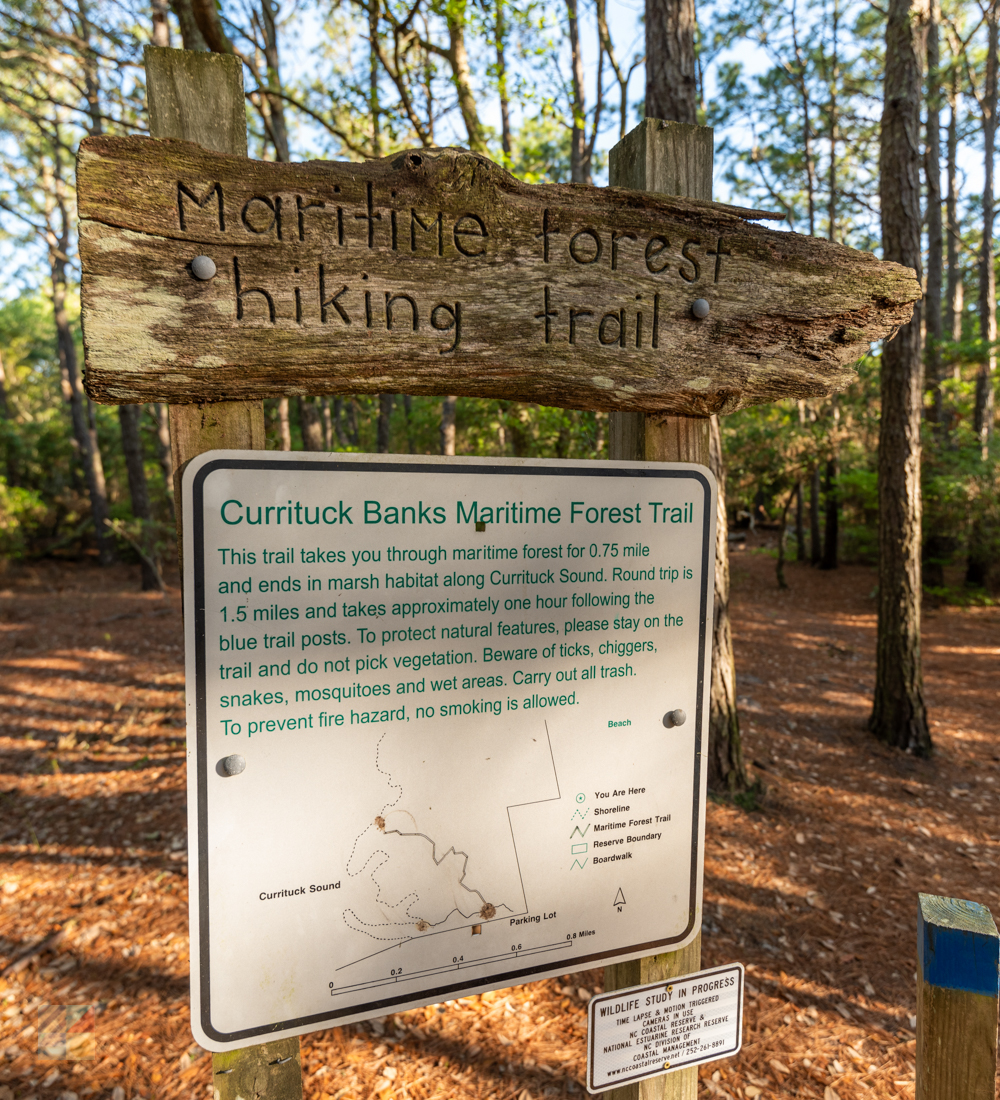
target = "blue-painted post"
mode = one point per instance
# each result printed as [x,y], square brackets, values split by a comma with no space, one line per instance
[958,981]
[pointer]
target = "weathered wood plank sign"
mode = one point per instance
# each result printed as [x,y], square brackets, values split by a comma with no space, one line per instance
[438,272]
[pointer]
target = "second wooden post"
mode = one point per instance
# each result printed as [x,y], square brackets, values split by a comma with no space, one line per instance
[671,158]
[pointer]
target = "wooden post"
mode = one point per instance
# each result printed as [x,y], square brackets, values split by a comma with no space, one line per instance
[958,952]
[199,97]
[671,158]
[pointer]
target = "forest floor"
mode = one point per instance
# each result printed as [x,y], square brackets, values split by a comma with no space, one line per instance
[815,891]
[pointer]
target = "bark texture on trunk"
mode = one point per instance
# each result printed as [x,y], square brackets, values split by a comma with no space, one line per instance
[327,424]
[448,425]
[578,159]
[384,423]
[671,78]
[933,320]
[161,25]
[987,271]
[129,417]
[815,541]
[284,424]
[163,449]
[84,422]
[899,714]
[309,422]
[726,770]
[831,530]
[801,552]
[955,300]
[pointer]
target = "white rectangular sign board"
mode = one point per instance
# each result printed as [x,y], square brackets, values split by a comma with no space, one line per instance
[434,725]
[653,1029]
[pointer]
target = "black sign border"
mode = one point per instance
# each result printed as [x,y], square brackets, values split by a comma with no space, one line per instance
[383,1006]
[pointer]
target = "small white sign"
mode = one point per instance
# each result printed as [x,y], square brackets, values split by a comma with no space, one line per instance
[445,724]
[653,1029]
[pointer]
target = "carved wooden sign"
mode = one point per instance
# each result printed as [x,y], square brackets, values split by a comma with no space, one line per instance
[438,272]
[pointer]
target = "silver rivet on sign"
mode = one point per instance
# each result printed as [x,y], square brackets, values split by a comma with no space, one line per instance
[674,718]
[700,308]
[231,765]
[203,267]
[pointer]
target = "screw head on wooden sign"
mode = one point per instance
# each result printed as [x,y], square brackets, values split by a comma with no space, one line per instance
[203,267]
[439,272]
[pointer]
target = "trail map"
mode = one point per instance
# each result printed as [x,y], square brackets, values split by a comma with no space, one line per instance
[445,727]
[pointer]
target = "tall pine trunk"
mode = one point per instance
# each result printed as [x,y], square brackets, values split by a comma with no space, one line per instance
[899,714]
[987,276]
[671,76]
[801,552]
[129,417]
[310,424]
[448,425]
[284,425]
[384,433]
[980,559]
[933,320]
[955,294]
[163,453]
[831,530]
[579,160]
[84,422]
[815,540]
[726,769]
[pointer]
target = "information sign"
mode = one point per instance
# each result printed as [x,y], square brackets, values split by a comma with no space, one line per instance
[445,727]
[649,1030]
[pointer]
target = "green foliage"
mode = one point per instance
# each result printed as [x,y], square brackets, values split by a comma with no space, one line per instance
[22,513]
[482,427]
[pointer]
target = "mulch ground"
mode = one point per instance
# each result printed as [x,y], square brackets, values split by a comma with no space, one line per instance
[815,891]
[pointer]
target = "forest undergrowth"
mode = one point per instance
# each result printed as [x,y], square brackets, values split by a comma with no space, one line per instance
[815,890]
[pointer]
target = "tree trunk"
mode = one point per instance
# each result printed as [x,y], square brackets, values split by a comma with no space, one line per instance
[309,422]
[933,321]
[833,121]
[129,417]
[161,24]
[84,424]
[327,424]
[384,422]
[278,131]
[206,15]
[801,553]
[500,30]
[163,454]
[726,770]
[284,424]
[411,445]
[373,98]
[783,541]
[448,425]
[987,275]
[338,426]
[10,455]
[671,79]
[462,75]
[954,303]
[815,541]
[578,159]
[899,714]
[831,530]
[191,36]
